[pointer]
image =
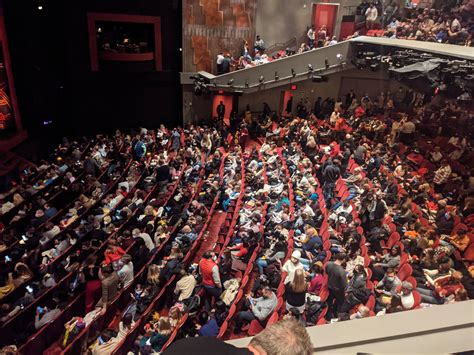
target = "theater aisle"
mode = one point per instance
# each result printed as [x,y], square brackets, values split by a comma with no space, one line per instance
[213,231]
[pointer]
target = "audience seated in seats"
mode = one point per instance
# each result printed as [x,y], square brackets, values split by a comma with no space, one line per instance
[366,221]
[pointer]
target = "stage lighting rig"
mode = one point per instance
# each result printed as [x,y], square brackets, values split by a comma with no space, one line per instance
[293,73]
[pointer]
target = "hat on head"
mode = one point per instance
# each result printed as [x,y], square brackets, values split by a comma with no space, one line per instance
[318,263]
[296,254]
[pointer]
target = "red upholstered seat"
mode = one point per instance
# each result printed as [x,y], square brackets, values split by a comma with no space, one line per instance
[404,272]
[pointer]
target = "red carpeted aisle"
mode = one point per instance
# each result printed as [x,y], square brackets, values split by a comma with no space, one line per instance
[214,226]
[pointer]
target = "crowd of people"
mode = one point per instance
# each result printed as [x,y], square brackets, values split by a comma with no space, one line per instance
[444,22]
[225,62]
[352,208]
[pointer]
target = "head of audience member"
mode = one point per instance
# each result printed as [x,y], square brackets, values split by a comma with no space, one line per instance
[287,337]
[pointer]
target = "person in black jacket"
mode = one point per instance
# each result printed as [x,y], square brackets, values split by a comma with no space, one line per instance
[337,283]
[331,173]
[220,112]
[355,290]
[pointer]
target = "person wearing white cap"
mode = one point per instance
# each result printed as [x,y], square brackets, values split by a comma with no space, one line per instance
[292,265]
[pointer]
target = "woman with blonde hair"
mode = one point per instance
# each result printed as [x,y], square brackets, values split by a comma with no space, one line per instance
[22,273]
[153,277]
[295,291]
[175,314]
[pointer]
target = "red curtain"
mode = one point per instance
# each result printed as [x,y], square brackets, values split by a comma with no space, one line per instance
[325,15]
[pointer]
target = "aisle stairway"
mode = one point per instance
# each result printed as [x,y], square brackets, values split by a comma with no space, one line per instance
[210,240]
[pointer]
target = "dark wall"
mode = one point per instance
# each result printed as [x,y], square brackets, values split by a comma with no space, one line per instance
[51,67]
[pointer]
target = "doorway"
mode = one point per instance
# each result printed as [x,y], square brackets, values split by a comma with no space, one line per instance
[325,14]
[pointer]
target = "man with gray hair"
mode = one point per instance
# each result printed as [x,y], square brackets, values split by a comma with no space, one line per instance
[287,337]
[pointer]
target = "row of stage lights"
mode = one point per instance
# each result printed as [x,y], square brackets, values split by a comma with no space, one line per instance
[317,75]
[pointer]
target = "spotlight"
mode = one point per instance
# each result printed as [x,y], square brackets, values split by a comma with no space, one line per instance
[230,82]
[326,63]
[40,7]
[261,79]
[339,56]
[277,77]
[247,83]
[293,73]
[310,67]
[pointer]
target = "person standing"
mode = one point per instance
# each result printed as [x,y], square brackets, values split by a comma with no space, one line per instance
[311,37]
[441,176]
[371,15]
[322,34]
[219,61]
[289,106]
[110,285]
[349,97]
[337,283]
[259,44]
[209,271]
[220,111]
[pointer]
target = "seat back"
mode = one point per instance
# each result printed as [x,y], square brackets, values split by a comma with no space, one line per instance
[404,272]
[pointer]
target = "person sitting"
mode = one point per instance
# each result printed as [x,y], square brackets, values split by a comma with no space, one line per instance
[155,336]
[185,286]
[460,240]
[387,288]
[256,308]
[108,347]
[356,289]
[403,300]
[208,326]
[46,314]
[318,279]
[362,312]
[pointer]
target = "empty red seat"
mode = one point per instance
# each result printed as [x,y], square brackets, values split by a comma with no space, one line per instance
[404,272]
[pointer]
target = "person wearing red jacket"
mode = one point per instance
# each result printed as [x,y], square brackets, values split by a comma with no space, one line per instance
[209,271]
[112,253]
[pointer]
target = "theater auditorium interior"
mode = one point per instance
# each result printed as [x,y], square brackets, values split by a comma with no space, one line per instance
[267,177]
